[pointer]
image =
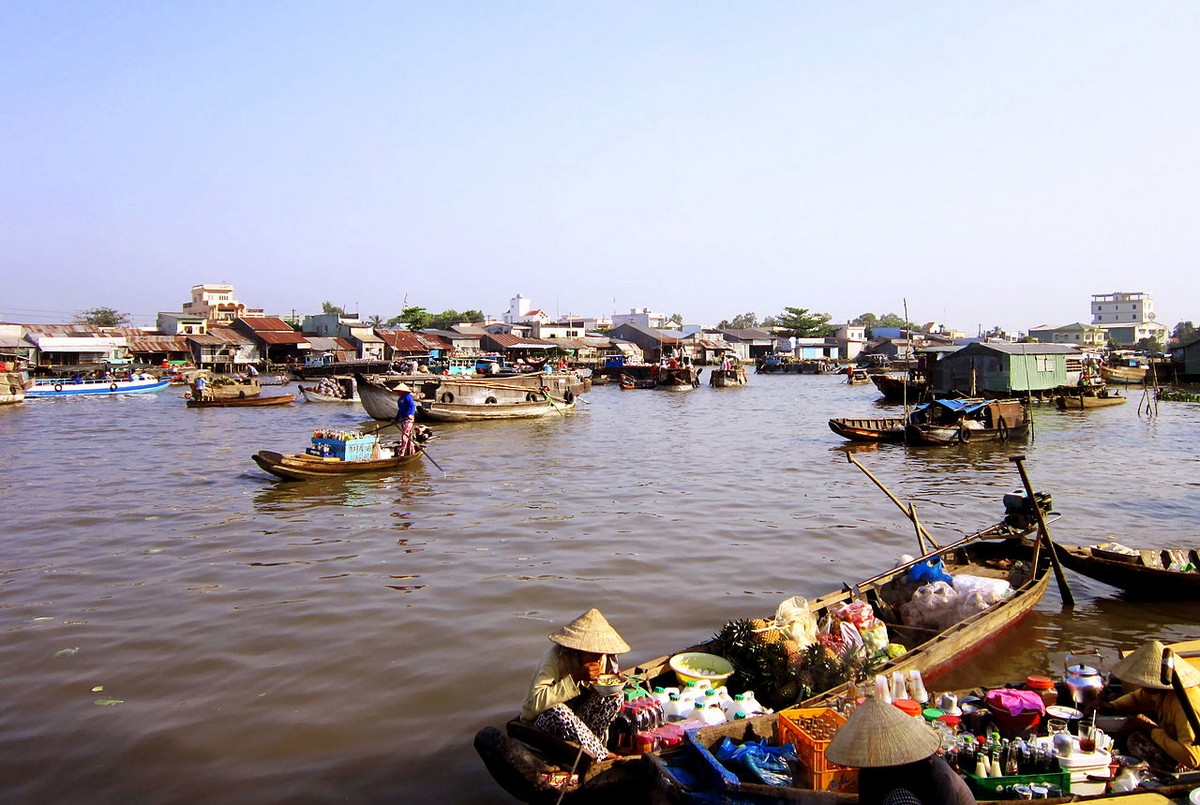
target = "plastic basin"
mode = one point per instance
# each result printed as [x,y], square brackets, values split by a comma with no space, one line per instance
[695,666]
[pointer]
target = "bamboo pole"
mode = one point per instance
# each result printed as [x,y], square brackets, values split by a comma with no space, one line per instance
[909,512]
[1044,535]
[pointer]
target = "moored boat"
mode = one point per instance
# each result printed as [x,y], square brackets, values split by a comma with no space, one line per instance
[1084,399]
[896,388]
[478,412]
[244,402]
[60,387]
[726,378]
[869,429]
[676,378]
[943,422]
[1153,573]
[1123,374]
[379,400]
[12,387]
[332,389]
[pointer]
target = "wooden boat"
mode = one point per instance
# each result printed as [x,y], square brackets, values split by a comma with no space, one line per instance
[379,400]
[301,466]
[1084,399]
[942,422]
[60,387]
[628,382]
[896,388]
[1144,573]
[222,389]
[869,429]
[726,378]
[1123,374]
[676,378]
[857,377]
[525,761]
[244,402]
[334,389]
[471,412]
[12,387]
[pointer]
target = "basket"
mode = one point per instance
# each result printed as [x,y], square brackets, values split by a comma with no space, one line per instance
[795,727]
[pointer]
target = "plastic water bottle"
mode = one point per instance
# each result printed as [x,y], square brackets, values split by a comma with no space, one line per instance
[753,706]
[691,692]
[674,708]
[660,695]
[734,706]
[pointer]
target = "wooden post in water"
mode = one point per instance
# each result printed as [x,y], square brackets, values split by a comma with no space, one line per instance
[1044,535]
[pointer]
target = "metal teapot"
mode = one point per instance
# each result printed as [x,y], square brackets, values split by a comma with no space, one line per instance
[1083,680]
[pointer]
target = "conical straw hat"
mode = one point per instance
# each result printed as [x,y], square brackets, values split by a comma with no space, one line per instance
[878,734]
[1144,669]
[590,632]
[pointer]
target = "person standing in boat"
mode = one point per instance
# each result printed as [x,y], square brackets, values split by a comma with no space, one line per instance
[198,387]
[406,412]
[896,758]
[1161,724]
[558,702]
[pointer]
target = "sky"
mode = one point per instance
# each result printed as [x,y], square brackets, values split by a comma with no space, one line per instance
[979,164]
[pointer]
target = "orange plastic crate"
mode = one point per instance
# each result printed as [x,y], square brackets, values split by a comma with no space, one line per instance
[825,776]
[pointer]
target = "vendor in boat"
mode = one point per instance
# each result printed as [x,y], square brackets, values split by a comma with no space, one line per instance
[1162,726]
[558,702]
[406,412]
[896,757]
[199,386]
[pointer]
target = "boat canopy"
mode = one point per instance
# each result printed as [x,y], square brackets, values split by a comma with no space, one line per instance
[957,406]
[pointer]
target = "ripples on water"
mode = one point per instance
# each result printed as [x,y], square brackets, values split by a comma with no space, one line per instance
[344,640]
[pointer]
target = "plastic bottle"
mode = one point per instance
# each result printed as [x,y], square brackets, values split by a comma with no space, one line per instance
[691,691]
[981,767]
[916,687]
[882,690]
[674,708]
[660,695]
[899,686]
[754,707]
[712,715]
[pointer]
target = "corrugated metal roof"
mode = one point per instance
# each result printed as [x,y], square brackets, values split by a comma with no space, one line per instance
[406,341]
[219,335]
[159,344]
[266,324]
[272,337]
[510,341]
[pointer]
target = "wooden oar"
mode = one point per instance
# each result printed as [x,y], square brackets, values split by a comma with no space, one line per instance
[1171,676]
[1044,535]
[909,512]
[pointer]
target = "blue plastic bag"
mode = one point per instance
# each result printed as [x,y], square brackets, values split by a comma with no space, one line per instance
[758,762]
[929,571]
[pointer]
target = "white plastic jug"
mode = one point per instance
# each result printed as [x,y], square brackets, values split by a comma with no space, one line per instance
[676,707]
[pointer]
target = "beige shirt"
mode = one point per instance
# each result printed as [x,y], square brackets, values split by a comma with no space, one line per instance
[552,683]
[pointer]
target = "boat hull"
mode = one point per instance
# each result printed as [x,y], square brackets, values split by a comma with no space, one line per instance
[727,378]
[465,412]
[1083,402]
[877,429]
[380,402]
[301,467]
[245,402]
[105,387]
[12,388]
[1130,575]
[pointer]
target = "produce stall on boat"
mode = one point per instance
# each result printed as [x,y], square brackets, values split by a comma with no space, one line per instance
[907,618]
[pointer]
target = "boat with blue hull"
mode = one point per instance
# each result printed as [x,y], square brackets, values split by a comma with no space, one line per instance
[59,387]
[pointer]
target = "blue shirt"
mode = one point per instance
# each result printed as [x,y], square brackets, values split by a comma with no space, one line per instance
[406,406]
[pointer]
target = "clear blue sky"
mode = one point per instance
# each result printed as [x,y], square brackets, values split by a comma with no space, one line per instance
[990,162]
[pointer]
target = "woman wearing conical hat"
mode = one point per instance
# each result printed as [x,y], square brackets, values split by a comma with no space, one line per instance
[1159,729]
[559,702]
[895,756]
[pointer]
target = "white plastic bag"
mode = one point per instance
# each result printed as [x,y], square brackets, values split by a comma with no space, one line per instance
[795,619]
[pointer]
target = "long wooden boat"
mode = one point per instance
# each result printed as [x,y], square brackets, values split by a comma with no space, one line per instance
[896,388]
[468,412]
[230,390]
[524,761]
[245,402]
[324,392]
[942,422]
[1146,573]
[301,466]
[58,387]
[1124,374]
[869,429]
[1089,398]
[380,402]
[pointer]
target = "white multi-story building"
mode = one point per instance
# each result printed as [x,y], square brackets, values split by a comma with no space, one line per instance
[1127,317]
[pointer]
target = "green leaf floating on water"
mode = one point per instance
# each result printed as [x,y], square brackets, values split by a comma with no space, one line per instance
[106,702]
[97,689]
[66,652]
[43,618]
[153,550]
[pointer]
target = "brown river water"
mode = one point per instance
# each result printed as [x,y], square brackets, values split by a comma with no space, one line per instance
[178,627]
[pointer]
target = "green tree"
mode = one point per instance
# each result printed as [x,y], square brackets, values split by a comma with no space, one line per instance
[102,317]
[895,320]
[742,321]
[802,323]
[768,323]
[415,318]
[375,321]
[867,320]
[329,307]
[1184,332]
[1149,345]
[676,319]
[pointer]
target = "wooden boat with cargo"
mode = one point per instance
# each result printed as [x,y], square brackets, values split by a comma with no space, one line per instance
[541,405]
[943,422]
[535,767]
[365,453]
[1153,573]
[869,429]
[379,400]
[244,402]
